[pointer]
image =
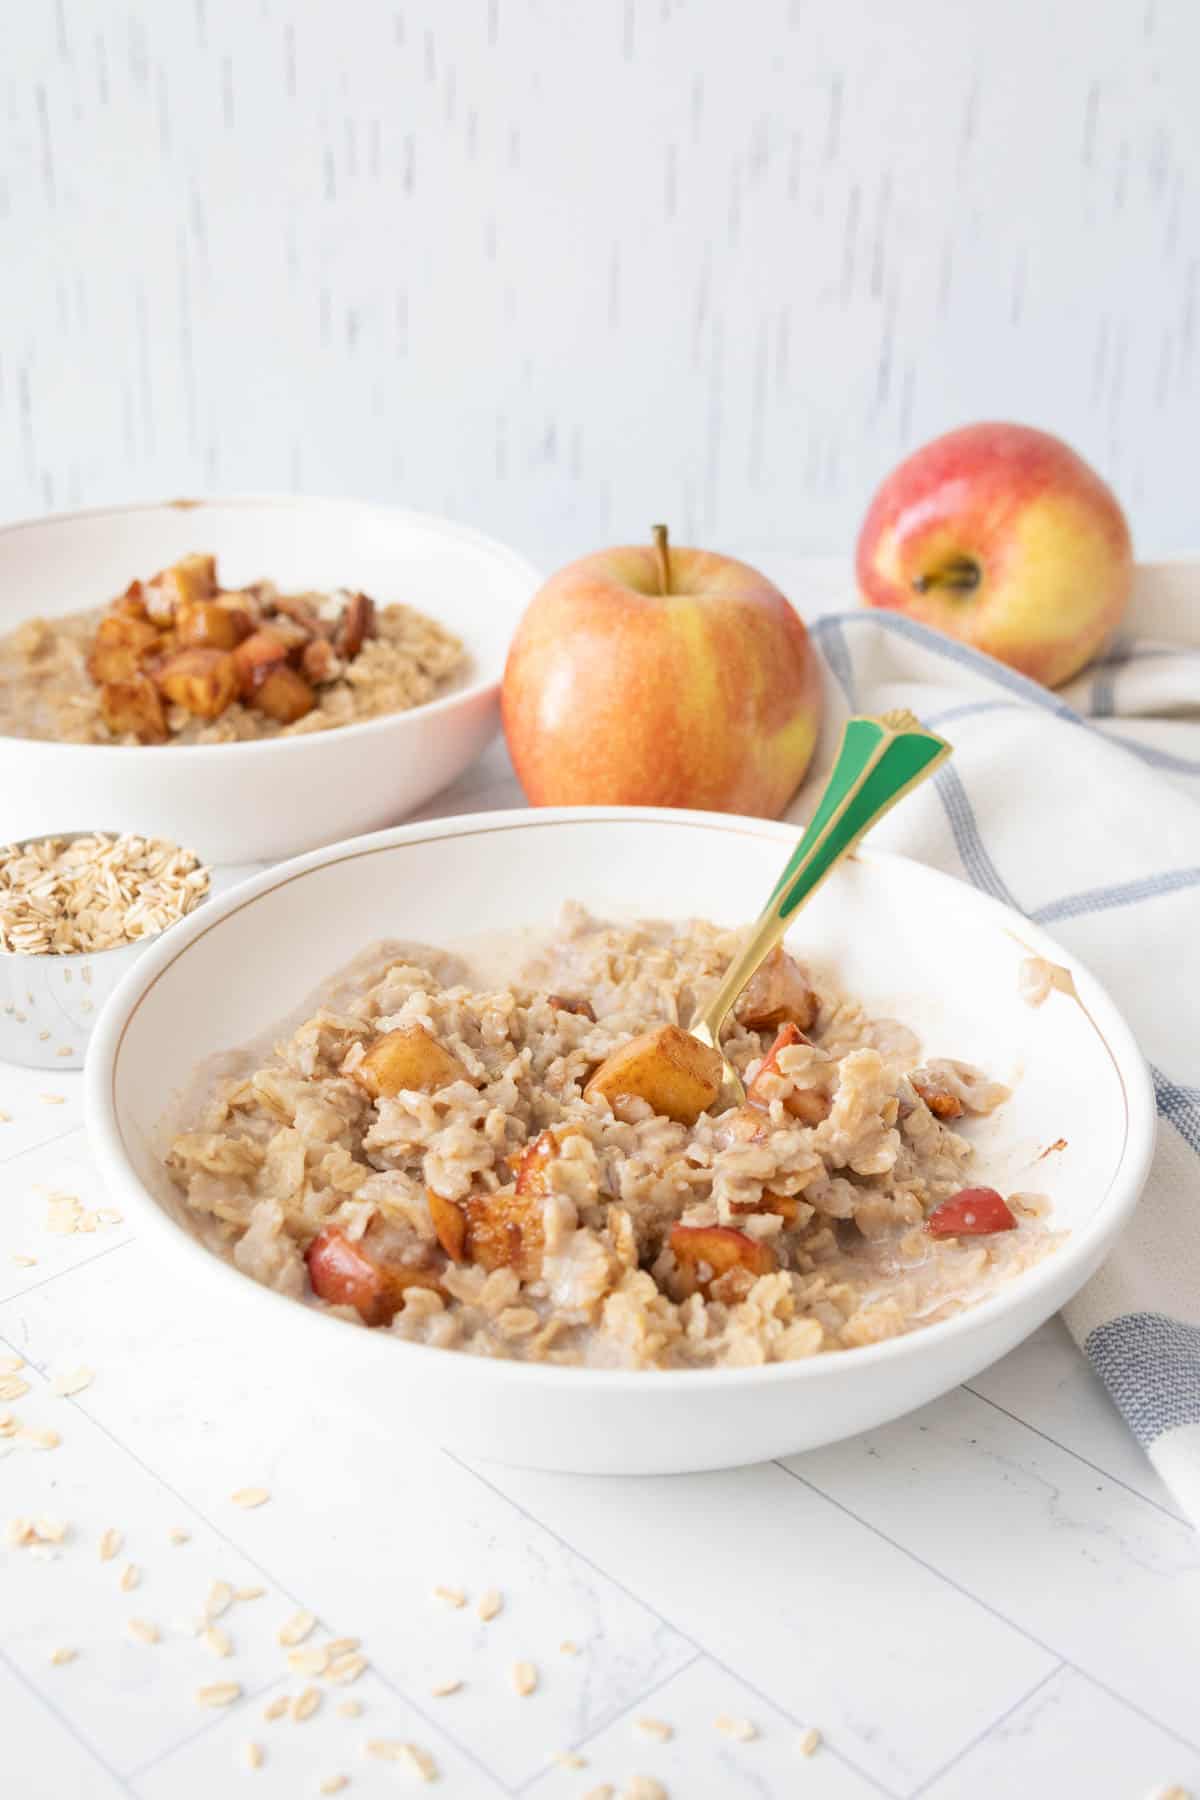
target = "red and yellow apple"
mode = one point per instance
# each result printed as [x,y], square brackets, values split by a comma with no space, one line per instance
[1003,537]
[648,675]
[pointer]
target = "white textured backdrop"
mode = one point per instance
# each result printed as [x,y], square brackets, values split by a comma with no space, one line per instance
[559,267]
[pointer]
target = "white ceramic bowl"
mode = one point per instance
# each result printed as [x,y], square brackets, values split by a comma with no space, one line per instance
[253,802]
[912,943]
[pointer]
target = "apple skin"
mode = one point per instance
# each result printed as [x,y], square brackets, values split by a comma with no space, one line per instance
[1047,536]
[618,695]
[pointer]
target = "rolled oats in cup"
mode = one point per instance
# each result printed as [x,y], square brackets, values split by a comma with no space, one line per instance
[75,912]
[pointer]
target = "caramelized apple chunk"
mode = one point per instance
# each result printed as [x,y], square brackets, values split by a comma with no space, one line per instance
[784,1206]
[285,696]
[941,1102]
[368,1275]
[191,578]
[409,1057]
[777,994]
[203,682]
[706,1252]
[355,626]
[121,646]
[257,657]
[808,1105]
[673,1072]
[504,1230]
[450,1224]
[134,708]
[208,625]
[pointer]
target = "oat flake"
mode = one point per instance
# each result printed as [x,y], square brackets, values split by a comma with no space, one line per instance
[524,1678]
[809,1741]
[490,1604]
[297,1628]
[250,1497]
[741,1729]
[219,1693]
[110,1543]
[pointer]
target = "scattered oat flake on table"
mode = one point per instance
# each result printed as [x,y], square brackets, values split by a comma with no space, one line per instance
[178,1535]
[524,1678]
[53,1099]
[349,1709]
[18,1532]
[218,1641]
[644,1787]
[451,1595]
[417,1761]
[249,1593]
[9,1424]
[12,1387]
[568,1648]
[333,1784]
[339,1646]
[297,1628]
[568,1759]
[310,1661]
[276,1708]
[219,1693]
[10,1364]
[305,1704]
[24,1262]
[1174,1792]
[110,1543]
[346,1669]
[130,1576]
[441,1689]
[253,1756]
[810,1741]
[65,1385]
[218,1600]
[490,1604]
[249,1497]
[143,1630]
[50,1531]
[605,1791]
[41,1440]
[64,1654]
[656,1728]
[741,1729]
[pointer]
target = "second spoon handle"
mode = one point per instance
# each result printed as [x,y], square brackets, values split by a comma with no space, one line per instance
[879,761]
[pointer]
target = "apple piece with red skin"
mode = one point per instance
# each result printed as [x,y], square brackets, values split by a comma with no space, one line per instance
[1003,537]
[648,676]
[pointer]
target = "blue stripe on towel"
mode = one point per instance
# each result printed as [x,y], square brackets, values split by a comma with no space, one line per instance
[1180,1105]
[1127,893]
[1150,1364]
[829,634]
[981,870]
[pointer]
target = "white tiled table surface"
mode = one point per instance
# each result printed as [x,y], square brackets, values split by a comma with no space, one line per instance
[993,1596]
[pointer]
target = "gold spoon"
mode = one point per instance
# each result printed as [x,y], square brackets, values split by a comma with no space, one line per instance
[878,762]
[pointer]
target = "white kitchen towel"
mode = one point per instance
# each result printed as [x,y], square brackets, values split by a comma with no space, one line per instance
[1082,810]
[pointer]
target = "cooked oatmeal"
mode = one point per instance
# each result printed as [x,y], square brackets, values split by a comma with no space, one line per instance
[178,659]
[537,1167]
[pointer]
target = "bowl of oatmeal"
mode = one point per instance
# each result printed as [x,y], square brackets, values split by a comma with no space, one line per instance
[448,1126]
[252,676]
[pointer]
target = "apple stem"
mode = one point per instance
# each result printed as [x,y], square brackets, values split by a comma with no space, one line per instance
[663,553]
[959,574]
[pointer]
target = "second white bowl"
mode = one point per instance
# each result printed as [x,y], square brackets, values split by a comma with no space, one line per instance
[258,801]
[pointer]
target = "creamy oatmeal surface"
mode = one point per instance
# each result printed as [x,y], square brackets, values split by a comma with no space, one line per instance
[179,659]
[531,1168]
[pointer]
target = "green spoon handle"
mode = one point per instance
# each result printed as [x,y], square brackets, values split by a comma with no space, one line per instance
[879,761]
